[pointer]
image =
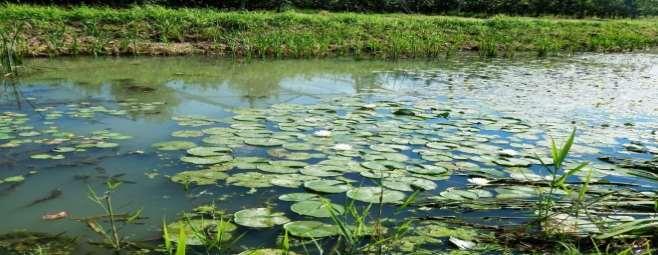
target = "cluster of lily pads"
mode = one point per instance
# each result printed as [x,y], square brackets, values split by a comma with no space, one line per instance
[46,141]
[207,221]
[375,151]
[17,128]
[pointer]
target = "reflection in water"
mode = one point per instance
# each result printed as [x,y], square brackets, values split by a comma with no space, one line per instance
[220,82]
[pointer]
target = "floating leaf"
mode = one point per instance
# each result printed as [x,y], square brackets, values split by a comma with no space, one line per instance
[250,180]
[14,179]
[296,197]
[199,177]
[327,186]
[259,218]
[173,145]
[269,142]
[207,160]
[317,208]
[311,229]
[408,183]
[375,195]
[208,151]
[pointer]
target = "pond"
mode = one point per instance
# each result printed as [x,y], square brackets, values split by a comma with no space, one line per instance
[454,140]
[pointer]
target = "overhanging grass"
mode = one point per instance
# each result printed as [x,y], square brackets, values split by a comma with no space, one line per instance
[158,30]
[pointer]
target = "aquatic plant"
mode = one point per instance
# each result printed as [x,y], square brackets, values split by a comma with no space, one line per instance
[205,227]
[111,237]
[10,57]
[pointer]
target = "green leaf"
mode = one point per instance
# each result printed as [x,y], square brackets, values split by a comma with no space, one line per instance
[181,245]
[628,227]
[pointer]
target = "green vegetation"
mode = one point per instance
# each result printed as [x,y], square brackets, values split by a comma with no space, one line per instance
[9,57]
[605,8]
[154,30]
[110,238]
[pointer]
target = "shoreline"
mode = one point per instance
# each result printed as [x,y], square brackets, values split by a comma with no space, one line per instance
[154,30]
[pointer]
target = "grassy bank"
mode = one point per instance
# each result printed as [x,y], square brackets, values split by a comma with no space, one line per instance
[51,31]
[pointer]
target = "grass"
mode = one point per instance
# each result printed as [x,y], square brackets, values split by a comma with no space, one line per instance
[10,59]
[157,30]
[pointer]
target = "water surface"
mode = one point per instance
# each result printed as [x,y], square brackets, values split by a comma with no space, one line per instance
[480,106]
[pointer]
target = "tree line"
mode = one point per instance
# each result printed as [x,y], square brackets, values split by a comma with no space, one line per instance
[576,8]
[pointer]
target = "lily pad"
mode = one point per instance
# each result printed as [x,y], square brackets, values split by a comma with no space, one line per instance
[311,229]
[317,208]
[259,218]
[14,179]
[296,197]
[375,195]
[408,183]
[327,186]
[207,160]
[199,177]
[173,145]
[269,142]
[208,151]
[106,145]
[250,180]
[291,180]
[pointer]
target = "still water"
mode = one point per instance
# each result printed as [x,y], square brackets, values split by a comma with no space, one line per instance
[472,118]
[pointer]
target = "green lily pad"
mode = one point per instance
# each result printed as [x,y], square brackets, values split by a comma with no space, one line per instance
[375,194]
[311,229]
[208,151]
[296,197]
[297,146]
[291,180]
[320,171]
[14,179]
[327,186]
[173,145]
[46,156]
[516,192]
[250,180]
[408,183]
[276,168]
[462,195]
[426,169]
[199,177]
[317,208]
[106,145]
[259,218]
[207,160]
[269,142]
[440,230]
[64,149]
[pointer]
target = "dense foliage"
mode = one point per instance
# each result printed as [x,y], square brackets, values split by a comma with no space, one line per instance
[607,8]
